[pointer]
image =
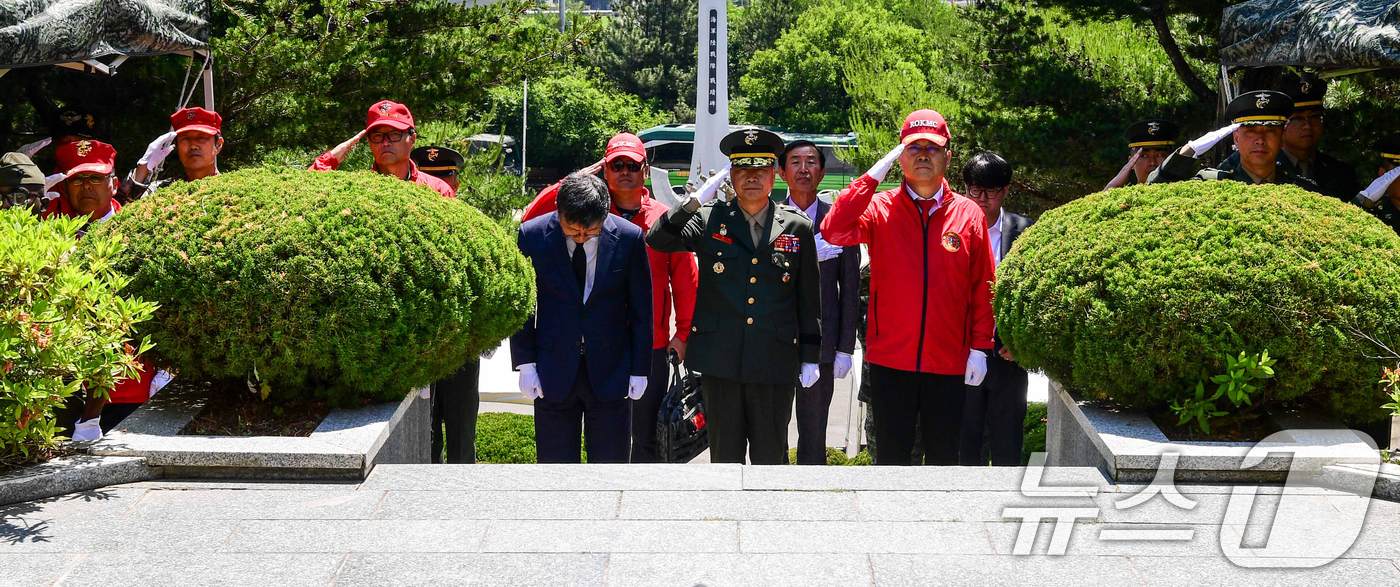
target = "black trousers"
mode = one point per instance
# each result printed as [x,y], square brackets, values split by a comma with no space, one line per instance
[604,425]
[644,411]
[900,398]
[455,403]
[996,409]
[813,408]
[747,416]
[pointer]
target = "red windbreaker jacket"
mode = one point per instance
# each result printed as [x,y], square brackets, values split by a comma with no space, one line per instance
[327,162]
[930,278]
[673,275]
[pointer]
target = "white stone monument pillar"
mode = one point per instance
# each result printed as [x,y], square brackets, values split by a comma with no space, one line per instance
[712,91]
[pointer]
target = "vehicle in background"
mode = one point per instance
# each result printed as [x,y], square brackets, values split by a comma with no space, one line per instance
[669,147]
[486,142]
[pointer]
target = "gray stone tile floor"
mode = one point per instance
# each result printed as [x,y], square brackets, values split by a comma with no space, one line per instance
[687,525]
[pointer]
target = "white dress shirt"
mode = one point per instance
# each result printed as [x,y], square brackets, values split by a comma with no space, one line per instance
[811,211]
[994,237]
[937,198]
[590,251]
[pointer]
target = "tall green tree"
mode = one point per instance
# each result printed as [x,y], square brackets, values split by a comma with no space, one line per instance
[648,49]
[1186,31]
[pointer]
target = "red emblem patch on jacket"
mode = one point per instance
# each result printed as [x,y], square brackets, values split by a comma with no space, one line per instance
[787,243]
[952,242]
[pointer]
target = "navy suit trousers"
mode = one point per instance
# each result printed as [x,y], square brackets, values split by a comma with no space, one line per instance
[604,425]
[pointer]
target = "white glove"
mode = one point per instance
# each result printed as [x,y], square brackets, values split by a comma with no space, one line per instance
[162,379]
[636,386]
[87,431]
[488,354]
[842,368]
[976,367]
[32,148]
[810,374]
[157,151]
[878,171]
[52,181]
[826,251]
[1205,143]
[530,382]
[1376,190]
[708,191]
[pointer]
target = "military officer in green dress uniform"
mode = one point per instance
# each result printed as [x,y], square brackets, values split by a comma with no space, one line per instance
[1301,134]
[1149,143]
[1257,120]
[1382,197]
[757,316]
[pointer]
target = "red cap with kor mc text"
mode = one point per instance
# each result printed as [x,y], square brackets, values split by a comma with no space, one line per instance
[625,145]
[390,114]
[925,125]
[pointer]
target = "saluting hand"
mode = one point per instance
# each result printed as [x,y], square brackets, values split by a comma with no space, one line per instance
[1208,141]
[881,168]
[594,168]
[1121,179]
[343,149]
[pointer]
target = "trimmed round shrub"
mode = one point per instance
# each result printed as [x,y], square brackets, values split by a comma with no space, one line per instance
[1133,294]
[340,286]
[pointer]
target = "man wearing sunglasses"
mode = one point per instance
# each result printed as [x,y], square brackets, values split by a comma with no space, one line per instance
[930,318]
[998,405]
[673,276]
[21,183]
[389,128]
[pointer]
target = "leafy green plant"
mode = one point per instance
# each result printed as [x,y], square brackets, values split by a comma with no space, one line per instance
[332,285]
[63,325]
[1200,408]
[1235,384]
[1390,384]
[1132,294]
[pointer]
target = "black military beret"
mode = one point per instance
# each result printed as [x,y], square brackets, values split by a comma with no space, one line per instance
[1306,92]
[437,161]
[73,122]
[1152,134]
[1260,108]
[752,147]
[1388,147]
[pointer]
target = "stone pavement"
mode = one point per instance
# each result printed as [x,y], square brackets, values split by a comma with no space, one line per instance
[657,525]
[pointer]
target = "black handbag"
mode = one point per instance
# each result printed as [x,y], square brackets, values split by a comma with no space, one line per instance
[680,423]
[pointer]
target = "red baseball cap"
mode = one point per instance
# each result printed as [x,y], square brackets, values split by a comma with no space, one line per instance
[196,120]
[391,114]
[86,156]
[625,145]
[925,125]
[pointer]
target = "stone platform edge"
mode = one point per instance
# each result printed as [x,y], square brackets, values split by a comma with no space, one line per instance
[73,474]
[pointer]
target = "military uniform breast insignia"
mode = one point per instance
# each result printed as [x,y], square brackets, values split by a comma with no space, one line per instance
[952,242]
[723,231]
[719,267]
[787,243]
[787,277]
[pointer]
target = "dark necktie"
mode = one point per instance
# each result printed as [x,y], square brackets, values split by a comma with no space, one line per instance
[580,261]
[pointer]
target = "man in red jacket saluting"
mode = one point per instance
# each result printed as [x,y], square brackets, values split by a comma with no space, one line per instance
[930,316]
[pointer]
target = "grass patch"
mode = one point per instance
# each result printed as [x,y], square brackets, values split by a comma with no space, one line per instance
[1035,431]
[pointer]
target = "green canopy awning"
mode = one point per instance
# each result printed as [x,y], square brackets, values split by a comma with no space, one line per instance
[46,32]
[1323,34]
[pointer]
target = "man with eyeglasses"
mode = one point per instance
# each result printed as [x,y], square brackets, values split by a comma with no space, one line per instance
[758,316]
[86,192]
[802,166]
[998,405]
[673,276]
[21,183]
[930,318]
[389,128]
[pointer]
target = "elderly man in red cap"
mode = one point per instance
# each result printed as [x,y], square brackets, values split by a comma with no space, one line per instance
[673,276]
[87,191]
[197,139]
[930,316]
[389,127]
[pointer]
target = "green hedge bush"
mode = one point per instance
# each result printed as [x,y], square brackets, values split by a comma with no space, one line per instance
[63,327]
[1134,293]
[334,285]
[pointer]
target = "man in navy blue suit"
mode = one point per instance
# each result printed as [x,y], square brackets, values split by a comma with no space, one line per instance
[587,347]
